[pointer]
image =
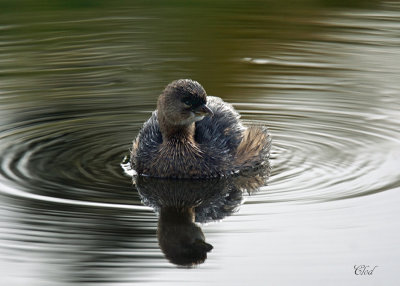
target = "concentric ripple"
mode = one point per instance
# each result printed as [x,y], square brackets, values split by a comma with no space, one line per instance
[321,153]
[66,160]
[318,154]
[334,124]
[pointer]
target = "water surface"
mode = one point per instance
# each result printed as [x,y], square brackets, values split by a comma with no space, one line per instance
[78,81]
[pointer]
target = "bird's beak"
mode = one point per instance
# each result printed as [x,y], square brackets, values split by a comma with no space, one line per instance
[203,110]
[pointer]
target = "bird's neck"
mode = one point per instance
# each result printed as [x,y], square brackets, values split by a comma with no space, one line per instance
[177,215]
[176,133]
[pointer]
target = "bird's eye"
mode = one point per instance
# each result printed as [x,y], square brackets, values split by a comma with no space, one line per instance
[187,103]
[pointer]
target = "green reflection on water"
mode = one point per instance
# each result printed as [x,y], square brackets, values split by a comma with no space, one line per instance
[131,43]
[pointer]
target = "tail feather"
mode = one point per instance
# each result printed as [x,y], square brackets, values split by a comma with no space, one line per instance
[254,149]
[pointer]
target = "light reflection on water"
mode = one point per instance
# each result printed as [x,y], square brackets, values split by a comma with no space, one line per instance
[77,86]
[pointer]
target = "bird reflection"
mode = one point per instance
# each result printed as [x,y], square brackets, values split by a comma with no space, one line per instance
[181,240]
[181,204]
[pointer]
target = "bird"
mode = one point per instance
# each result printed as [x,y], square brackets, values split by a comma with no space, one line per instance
[192,135]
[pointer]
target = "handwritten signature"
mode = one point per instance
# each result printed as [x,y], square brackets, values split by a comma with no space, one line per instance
[364,269]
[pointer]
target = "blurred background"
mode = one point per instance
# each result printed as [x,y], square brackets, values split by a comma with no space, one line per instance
[79,78]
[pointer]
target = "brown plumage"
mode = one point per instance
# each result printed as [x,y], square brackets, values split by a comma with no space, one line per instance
[192,135]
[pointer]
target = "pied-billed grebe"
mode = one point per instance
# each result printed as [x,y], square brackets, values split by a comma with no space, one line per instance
[192,135]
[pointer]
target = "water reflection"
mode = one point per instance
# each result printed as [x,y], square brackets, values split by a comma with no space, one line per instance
[77,245]
[181,204]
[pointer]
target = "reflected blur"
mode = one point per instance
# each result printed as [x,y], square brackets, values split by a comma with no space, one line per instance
[181,204]
[180,239]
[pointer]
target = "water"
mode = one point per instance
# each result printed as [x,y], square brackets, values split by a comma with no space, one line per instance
[78,81]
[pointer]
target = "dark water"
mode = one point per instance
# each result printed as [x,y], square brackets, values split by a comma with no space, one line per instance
[77,81]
